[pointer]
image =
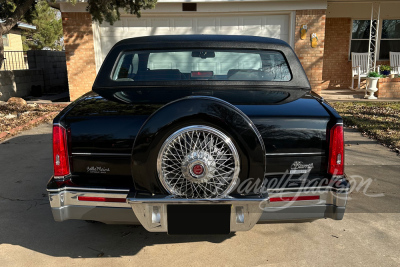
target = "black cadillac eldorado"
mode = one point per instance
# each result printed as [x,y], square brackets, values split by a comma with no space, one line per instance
[198,134]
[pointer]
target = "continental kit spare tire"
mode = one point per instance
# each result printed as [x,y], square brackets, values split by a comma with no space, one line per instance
[197,147]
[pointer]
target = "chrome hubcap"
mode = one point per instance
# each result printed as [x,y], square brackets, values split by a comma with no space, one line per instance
[198,162]
[198,166]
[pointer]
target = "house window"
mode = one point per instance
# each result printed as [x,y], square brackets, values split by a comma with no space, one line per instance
[5,40]
[390,38]
[360,36]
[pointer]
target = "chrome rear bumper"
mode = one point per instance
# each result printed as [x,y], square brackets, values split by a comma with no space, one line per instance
[151,212]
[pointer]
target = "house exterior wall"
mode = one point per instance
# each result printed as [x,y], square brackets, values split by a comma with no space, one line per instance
[336,66]
[83,40]
[311,58]
[15,42]
[79,51]
[14,61]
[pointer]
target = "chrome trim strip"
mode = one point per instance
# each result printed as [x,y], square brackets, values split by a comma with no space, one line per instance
[86,189]
[101,154]
[70,198]
[300,189]
[294,154]
[189,201]
[127,190]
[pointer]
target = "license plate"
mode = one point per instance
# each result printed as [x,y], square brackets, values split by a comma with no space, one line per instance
[198,219]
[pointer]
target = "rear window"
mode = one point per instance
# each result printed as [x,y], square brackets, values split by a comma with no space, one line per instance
[223,65]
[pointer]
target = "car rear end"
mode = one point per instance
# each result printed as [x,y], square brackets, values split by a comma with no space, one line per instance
[208,151]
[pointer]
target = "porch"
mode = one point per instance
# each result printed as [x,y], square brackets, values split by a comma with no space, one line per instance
[349,29]
[388,90]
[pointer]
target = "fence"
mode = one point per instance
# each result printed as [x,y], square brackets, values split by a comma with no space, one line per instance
[15,60]
[47,70]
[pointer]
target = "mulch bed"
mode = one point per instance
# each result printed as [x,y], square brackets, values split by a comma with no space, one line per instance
[15,118]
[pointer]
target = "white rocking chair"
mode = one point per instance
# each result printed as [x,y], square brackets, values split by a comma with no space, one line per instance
[395,62]
[359,62]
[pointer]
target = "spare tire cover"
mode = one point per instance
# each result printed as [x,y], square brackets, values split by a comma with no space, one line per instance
[209,112]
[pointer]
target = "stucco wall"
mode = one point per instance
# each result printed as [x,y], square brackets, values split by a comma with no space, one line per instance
[15,42]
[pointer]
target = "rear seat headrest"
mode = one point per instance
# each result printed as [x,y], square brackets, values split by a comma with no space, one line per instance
[159,75]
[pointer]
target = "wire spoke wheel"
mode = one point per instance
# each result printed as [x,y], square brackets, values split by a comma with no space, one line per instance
[198,162]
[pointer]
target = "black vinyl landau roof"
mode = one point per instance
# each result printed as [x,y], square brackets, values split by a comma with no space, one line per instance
[238,41]
[297,86]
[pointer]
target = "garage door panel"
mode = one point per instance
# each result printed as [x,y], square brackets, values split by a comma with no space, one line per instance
[160,23]
[228,23]
[206,25]
[183,23]
[275,26]
[135,23]
[281,23]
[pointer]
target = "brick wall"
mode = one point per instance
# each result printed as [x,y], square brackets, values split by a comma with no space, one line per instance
[337,67]
[79,50]
[389,88]
[311,58]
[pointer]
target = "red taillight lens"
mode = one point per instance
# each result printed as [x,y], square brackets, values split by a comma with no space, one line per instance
[101,199]
[336,150]
[60,151]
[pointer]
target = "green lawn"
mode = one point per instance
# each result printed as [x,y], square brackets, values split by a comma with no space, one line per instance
[378,120]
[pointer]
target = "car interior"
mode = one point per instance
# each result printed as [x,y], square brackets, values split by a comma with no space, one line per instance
[201,65]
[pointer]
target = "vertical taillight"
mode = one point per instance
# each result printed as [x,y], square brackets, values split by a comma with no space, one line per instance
[60,151]
[336,150]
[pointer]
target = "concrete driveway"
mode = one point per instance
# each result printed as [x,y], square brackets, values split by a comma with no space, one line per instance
[367,236]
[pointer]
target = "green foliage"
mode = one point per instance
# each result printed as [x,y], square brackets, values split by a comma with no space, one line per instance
[109,10]
[385,68]
[7,8]
[374,74]
[48,31]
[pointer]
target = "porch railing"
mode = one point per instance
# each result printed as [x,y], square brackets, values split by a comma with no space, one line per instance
[15,60]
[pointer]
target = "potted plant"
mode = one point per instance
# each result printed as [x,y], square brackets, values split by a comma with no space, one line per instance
[385,69]
[372,80]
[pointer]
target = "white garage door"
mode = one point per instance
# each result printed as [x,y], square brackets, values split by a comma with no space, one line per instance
[276,26]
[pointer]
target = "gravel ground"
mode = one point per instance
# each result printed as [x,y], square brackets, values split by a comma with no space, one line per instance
[376,120]
[14,116]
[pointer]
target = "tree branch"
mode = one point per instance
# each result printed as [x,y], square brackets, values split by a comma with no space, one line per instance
[17,15]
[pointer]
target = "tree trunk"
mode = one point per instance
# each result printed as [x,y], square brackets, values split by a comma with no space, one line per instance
[10,22]
[1,50]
